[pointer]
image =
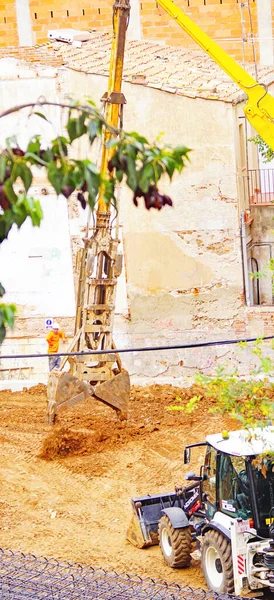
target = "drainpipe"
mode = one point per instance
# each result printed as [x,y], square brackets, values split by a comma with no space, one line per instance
[244,260]
[24,26]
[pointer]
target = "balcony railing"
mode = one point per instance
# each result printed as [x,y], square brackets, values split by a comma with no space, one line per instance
[259,187]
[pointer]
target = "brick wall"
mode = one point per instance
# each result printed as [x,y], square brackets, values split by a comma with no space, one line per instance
[8,26]
[76,14]
[221,19]
[43,56]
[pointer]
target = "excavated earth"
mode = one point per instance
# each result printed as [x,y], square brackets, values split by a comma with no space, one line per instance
[66,489]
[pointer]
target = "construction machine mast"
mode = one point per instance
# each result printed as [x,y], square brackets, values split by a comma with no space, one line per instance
[99,267]
[259,109]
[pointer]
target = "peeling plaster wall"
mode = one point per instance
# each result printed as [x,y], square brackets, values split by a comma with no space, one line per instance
[183,265]
[35,263]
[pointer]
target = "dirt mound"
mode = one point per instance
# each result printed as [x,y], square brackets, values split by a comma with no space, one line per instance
[75,503]
[39,389]
[94,428]
[62,442]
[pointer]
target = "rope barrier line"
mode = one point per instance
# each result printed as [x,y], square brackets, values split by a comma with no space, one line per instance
[142,349]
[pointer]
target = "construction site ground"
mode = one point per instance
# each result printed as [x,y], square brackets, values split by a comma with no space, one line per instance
[66,489]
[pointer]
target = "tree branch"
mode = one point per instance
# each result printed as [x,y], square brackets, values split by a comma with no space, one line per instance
[79,107]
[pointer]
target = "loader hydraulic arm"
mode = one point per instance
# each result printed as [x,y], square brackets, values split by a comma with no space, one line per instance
[259,109]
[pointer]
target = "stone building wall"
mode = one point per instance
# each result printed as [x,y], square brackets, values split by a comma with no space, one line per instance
[183,266]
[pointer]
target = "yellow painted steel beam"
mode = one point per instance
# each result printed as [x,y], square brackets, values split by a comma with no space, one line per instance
[121,10]
[259,109]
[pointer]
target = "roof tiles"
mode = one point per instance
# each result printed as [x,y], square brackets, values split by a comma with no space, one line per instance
[172,69]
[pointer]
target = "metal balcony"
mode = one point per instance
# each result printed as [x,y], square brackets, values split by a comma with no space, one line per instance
[259,187]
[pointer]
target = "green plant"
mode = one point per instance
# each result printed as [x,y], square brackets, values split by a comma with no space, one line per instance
[266,152]
[136,161]
[248,400]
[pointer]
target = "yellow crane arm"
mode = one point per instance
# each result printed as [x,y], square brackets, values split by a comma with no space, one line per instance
[121,11]
[259,109]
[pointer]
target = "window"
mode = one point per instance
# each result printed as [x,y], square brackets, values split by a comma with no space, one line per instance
[209,484]
[234,487]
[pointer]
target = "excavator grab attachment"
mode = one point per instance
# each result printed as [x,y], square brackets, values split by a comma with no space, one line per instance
[99,264]
[65,390]
[115,393]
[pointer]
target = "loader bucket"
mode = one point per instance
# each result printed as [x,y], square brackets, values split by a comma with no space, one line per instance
[63,391]
[147,512]
[115,393]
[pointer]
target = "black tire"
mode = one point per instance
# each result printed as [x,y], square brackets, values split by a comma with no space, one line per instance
[175,544]
[217,562]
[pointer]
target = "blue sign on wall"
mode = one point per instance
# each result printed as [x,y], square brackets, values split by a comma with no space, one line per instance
[48,323]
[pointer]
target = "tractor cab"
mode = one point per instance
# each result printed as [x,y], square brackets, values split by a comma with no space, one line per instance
[238,477]
[228,509]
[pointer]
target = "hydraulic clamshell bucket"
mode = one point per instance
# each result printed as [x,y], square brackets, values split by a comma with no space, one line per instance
[65,390]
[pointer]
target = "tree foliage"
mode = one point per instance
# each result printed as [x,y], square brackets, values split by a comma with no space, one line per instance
[266,152]
[134,160]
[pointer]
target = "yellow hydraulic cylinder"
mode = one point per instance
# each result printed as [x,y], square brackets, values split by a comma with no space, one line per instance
[259,109]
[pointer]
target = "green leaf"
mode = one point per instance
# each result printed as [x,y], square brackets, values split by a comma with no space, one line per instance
[36,212]
[56,177]
[3,165]
[34,145]
[131,173]
[9,191]
[146,177]
[92,167]
[2,333]
[38,114]
[33,158]
[8,314]
[72,130]
[59,146]
[109,192]
[76,127]
[93,182]
[11,142]
[119,175]
[25,173]
[2,290]
[94,129]
[6,319]
[77,177]
[170,165]
[137,137]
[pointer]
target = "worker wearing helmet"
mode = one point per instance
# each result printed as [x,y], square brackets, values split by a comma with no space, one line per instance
[53,339]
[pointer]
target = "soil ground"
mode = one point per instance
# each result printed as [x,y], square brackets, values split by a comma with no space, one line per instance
[66,489]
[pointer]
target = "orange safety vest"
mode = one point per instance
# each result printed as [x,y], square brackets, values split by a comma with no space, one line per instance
[53,340]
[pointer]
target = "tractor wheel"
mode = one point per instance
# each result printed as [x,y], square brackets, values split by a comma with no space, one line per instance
[217,562]
[176,544]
